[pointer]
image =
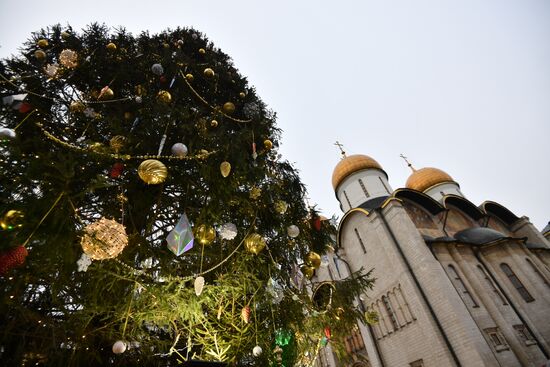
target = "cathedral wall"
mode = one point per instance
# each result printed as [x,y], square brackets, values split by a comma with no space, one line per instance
[524,228]
[361,187]
[439,191]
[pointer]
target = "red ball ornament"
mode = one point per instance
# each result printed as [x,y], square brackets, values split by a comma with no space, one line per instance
[25,107]
[328,333]
[116,170]
[316,223]
[12,258]
[163,79]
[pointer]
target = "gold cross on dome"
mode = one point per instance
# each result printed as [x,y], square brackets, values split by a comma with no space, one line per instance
[341,147]
[408,163]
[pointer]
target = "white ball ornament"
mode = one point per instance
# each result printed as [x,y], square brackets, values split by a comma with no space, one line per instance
[179,150]
[6,133]
[157,69]
[119,347]
[228,231]
[257,351]
[293,231]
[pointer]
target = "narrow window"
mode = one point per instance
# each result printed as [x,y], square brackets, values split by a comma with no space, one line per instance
[516,283]
[524,334]
[536,270]
[417,363]
[492,285]
[360,241]
[337,267]
[391,313]
[364,188]
[497,339]
[461,287]
[384,184]
[347,198]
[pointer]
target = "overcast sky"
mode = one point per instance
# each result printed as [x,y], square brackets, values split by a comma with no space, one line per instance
[463,86]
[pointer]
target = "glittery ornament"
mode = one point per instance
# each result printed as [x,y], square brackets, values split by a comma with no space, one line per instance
[12,258]
[119,347]
[313,259]
[164,96]
[68,58]
[180,239]
[255,192]
[245,314]
[51,70]
[179,150]
[257,351]
[39,55]
[106,93]
[293,231]
[205,234]
[281,206]
[199,285]
[104,239]
[84,262]
[228,231]
[275,290]
[42,43]
[228,108]
[152,171]
[209,73]
[7,134]
[268,144]
[225,168]
[297,277]
[111,46]
[157,69]
[254,243]
[116,170]
[308,271]
[117,143]
[12,219]
[214,123]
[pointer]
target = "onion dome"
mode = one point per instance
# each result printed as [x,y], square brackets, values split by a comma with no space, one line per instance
[351,164]
[424,178]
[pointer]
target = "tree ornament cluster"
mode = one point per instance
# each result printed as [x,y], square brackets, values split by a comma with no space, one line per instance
[153,154]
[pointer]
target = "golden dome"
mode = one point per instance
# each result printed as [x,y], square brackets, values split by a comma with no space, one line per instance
[350,165]
[427,177]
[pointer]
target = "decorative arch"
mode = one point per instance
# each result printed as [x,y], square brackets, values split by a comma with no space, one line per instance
[463,204]
[344,220]
[499,211]
[419,198]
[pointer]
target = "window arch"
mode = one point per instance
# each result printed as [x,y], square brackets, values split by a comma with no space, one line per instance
[391,313]
[461,287]
[523,292]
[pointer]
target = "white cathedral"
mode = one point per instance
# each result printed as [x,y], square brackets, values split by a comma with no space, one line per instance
[456,284]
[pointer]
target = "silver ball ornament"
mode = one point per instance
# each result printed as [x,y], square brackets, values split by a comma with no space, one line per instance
[119,347]
[293,231]
[157,69]
[139,99]
[179,150]
[8,134]
[257,350]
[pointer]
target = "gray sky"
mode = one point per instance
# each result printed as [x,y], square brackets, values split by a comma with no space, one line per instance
[463,86]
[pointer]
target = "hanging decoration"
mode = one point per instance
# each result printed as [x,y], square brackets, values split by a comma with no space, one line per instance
[119,347]
[322,296]
[225,168]
[245,314]
[12,219]
[152,171]
[281,206]
[68,58]
[205,234]
[180,239]
[84,262]
[228,231]
[12,258]
[257,351]
[313,259]
[254,243]
[293,231]
[7,134]
[199,285]
[179,150]
[104,239]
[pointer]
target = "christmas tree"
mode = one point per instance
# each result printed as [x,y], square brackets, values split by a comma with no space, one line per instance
[146,216]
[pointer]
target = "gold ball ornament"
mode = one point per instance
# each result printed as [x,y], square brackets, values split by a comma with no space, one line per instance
[242,95]
[209,73]
[152,171]
[104,239]
[204,234]
[40,55]
[127,115]
[189,77]
[140,90]
[281,206]
[65,35]
[254,243]
[313,259]
[117,143]
[255,192]
[228,108]
[214,123]
[202,51]
[225,168]
[268,144]
[111,46]
[106,93]
[77,106]
[164,96]
[42,43]
[11,220]
[68,58]
[308,271]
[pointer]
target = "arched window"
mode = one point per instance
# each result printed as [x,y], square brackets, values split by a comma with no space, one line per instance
[523,292]
[491,284]
[363,188]
[461,287]
[536,270]
[347,198]
[391,312]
